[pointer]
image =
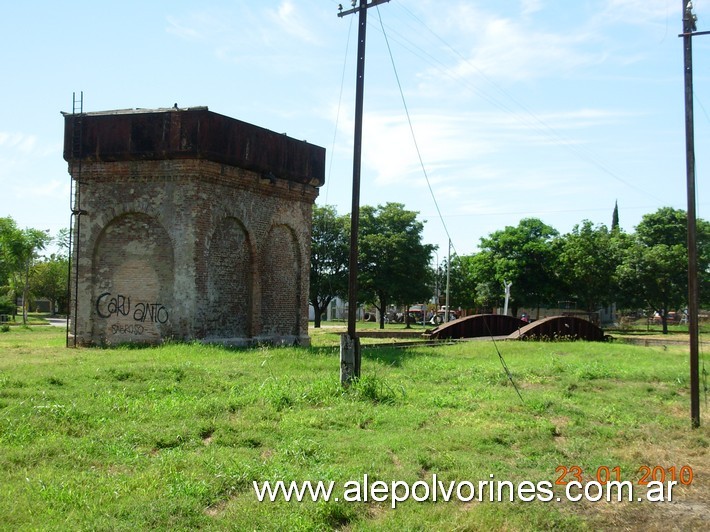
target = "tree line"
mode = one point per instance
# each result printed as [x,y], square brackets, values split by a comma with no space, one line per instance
[592,266]
[26,273]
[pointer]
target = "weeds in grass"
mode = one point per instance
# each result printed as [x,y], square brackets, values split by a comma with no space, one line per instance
[172,437]
[376,390]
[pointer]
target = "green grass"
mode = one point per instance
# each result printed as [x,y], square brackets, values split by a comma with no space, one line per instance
[645,327]
[172,437]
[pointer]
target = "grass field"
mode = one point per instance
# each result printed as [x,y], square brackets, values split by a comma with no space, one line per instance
[172,437]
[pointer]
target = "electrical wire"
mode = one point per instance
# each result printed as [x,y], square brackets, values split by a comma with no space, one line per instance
[502,361]
[337,116]
[411,128]
[527,117]
[436,203]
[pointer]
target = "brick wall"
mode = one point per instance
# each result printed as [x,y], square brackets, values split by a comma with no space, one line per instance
[190,249]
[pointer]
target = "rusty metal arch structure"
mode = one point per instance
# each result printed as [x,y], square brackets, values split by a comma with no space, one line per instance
[478,325]
[559,328]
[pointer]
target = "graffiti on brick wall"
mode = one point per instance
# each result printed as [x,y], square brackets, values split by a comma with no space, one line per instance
[135,330]
[119,306]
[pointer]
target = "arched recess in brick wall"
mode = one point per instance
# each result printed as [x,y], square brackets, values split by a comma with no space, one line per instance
[230,281]
[133,265]
[280,283]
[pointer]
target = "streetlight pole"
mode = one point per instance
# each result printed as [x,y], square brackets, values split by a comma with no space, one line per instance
[448,281]
[506,285]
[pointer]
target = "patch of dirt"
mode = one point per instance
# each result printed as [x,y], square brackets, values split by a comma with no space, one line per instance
[689,508]
[395,459]
[216,509]
[266,454]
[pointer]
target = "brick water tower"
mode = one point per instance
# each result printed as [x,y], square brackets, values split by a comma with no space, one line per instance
[188,225]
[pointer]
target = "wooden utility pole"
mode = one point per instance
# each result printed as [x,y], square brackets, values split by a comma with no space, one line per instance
[689,29]
[350,356]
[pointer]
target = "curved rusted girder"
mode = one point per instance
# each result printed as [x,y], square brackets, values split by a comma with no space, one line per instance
[478,325]
[559,328]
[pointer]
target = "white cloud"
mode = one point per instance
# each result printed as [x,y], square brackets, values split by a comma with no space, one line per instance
[541,40]
[22,143]
[530,6]
[450,144]
[638,12]
[291,21]
[249,33]
[177,28]
[505,49]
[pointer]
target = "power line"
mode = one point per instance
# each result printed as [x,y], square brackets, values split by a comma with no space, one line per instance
[528,117]
[411,128]
[542,212]
[337,116]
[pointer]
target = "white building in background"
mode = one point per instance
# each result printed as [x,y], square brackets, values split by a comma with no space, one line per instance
[337,311]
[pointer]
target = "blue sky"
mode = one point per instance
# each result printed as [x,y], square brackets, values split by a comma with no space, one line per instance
[517,108]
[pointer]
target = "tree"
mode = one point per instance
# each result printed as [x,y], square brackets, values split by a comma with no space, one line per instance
[7,226]
[488,290]
[615,218]
[394,263]
[523,255]
[666,226]
[462,282]
[62,242]
[48,278]
[10,266]
[587,265]
[655,277]
[329,259]
[654,271]
[19,249]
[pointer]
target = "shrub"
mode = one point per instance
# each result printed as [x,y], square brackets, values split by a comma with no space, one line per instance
[7,306]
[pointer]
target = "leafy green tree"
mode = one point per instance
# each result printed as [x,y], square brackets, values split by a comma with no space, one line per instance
[62,242]
[19,250]
[654,271]
[462,282]
[655,277]
[489,292]
[393,261]
[7,306]
[587,264]
[525,256]
[9,264]
[48,278]
[330,247]
[7,225]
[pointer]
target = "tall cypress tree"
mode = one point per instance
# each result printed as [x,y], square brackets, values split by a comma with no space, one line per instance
[615,217]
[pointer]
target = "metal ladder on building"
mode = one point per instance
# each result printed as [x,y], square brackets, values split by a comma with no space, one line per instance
[75,158]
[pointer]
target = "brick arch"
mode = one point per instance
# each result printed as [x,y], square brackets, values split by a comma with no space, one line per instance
[133,289]
[230,281]
[281,283]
